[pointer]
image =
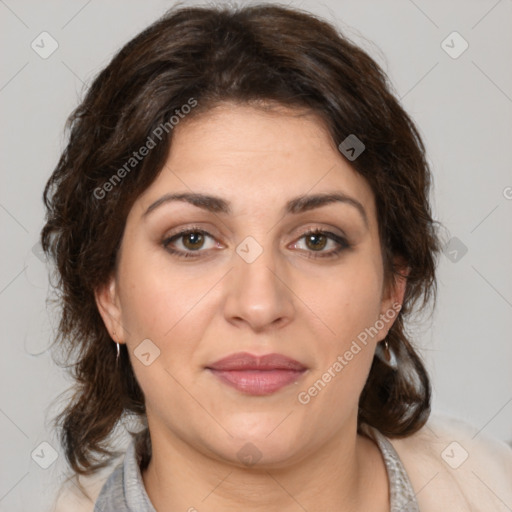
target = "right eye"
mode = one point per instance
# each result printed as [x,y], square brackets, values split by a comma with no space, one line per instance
[187,242]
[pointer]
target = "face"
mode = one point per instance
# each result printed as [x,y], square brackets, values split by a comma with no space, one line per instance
[266,264]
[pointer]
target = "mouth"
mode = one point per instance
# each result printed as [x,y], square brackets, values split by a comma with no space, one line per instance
[257,375]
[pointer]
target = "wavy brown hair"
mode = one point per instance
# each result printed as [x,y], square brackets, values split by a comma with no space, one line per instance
[261,55]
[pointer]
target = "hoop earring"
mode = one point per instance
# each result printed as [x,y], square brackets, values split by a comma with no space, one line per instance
[386,354]
[118,348]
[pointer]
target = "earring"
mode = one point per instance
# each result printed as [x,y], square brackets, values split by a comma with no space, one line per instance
[118,348]
[386,354]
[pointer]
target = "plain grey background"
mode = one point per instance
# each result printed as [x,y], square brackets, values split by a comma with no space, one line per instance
[462,105]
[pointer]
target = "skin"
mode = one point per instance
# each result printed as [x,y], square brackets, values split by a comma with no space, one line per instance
[197,310]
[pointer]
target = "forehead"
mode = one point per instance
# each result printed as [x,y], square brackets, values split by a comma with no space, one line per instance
[256,159]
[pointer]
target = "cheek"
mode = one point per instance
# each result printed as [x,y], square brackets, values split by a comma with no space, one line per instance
[349,300]
[173,311]
[350,309]
[349,305]
[156,303]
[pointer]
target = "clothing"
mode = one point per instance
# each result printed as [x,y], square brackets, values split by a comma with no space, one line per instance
[124,490]
[446,466]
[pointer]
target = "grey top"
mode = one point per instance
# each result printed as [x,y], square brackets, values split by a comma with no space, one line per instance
[124,490]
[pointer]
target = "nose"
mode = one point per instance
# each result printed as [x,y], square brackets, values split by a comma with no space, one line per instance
[258,294]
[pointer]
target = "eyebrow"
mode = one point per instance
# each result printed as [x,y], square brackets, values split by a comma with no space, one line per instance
[296,205]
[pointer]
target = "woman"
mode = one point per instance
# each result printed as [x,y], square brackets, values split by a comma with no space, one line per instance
[241,227]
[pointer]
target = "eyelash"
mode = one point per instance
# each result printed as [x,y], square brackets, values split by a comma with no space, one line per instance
[342,243]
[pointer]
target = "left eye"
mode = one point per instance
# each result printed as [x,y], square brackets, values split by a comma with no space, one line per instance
[316,241]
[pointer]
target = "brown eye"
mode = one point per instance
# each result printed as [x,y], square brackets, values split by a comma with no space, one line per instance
[189,243]
[193,240]
[316,241]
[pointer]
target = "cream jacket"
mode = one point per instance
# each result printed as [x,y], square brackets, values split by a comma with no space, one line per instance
[452,467]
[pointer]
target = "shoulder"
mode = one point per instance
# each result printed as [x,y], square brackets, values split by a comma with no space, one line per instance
[104,489]
[453,465]
[80,493]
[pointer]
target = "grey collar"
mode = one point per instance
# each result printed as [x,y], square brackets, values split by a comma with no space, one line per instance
[124,490]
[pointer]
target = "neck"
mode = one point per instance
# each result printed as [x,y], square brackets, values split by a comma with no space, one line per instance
[336,476]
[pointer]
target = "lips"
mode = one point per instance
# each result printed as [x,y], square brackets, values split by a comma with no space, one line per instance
[244,361]
[257,375]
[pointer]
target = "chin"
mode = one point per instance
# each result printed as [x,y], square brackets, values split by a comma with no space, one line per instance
[260,442]
[260,454]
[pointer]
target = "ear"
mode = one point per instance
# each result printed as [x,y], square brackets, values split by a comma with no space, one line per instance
[107,301]
[396,290]
[393,297]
